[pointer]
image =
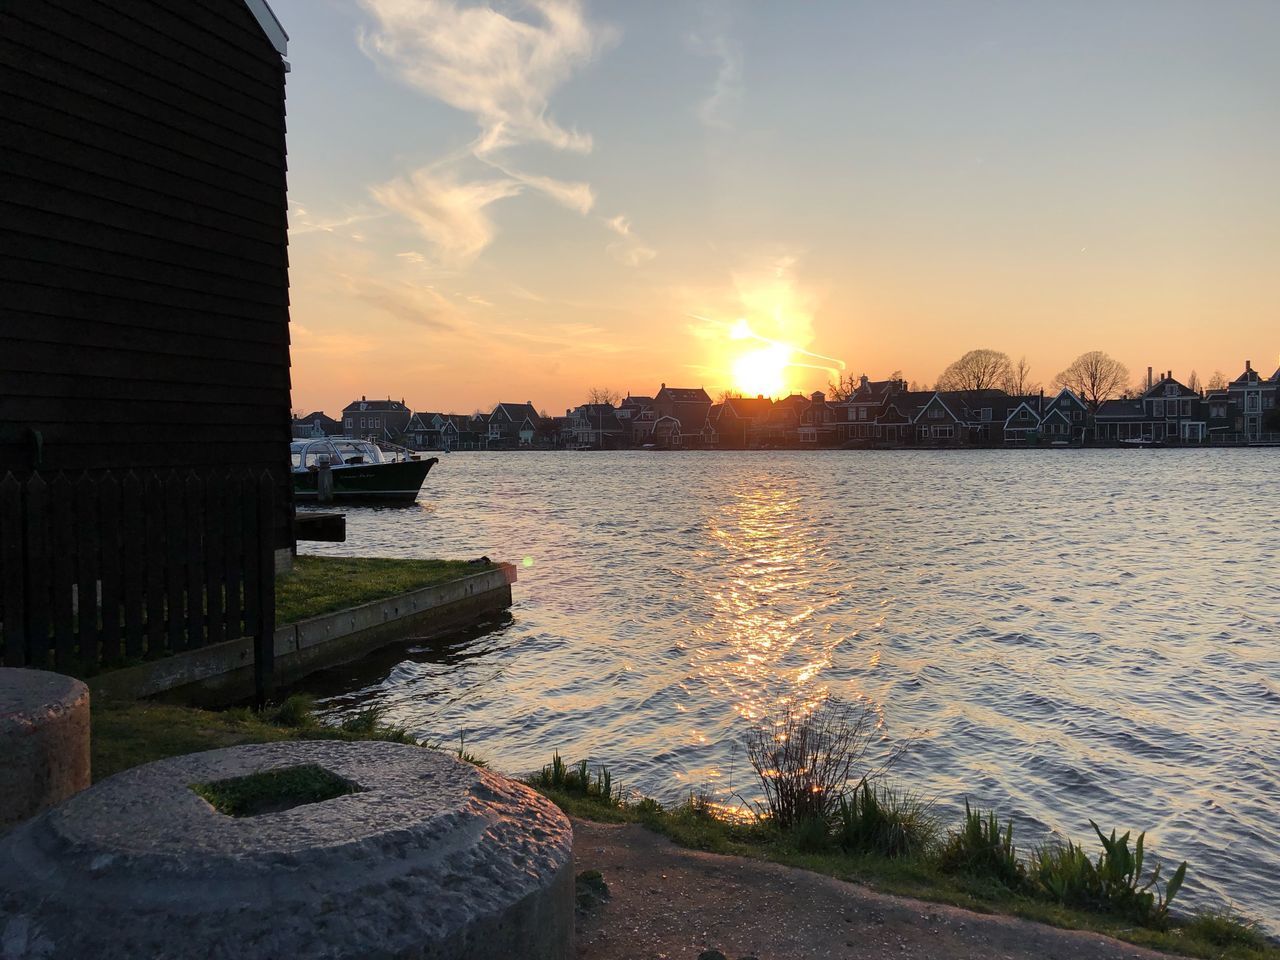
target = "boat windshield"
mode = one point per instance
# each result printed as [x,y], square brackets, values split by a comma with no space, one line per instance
[357,451]
[307,454]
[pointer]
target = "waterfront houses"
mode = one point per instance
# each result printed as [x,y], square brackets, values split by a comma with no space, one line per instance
[375,419]
[1254,399]
[512,425]
[1167,411]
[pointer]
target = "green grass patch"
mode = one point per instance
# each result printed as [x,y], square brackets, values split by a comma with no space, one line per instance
[272,791]
[319,585]
[128,734]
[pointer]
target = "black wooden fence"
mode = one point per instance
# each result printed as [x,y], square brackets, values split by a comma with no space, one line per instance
[101,570]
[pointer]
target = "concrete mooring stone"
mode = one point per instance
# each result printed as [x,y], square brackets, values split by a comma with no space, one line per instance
[44,741]
[432,858]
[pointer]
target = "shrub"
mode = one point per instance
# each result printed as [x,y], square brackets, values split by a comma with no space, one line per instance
[811,835]
[296,711]
[884,822]
[1223,929]
[805,759]
[982,849]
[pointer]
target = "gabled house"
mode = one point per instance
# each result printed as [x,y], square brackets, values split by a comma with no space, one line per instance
[375,419]
[740,421]
[1022,420]
[512,425]
[1255,398]
[596,425]
[1167,412]
[689,405]
[817,422]
[666,433]
[422,432]
[315,424]
[856,417]
[1066,417]
[936,422]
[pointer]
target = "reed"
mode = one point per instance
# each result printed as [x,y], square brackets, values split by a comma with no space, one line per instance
[881,821]
[981,848]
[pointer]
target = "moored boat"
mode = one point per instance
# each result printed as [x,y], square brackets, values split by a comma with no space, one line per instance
[360,471]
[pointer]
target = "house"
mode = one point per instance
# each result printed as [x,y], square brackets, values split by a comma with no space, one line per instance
[740,421]
[856,417]
[376,419]
[315,424]
[596,425]
[782,425]
[1022,419]
[666,433]
[688,405]
[512,425]
[1066,417]
[935,420]
[817,422]
[146,291]
[1254,397]
[422,432]
[1167,412]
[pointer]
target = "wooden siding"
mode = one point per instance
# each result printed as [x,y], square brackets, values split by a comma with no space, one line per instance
[143,238]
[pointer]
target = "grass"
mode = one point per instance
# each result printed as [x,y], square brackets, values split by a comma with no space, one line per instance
[128,734]
[319,585]
[914,870]
[271,791]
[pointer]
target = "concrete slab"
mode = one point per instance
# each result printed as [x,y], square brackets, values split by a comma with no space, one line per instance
[44,741]
[434,858]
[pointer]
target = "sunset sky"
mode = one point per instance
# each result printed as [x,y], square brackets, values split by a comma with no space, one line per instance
[521,201]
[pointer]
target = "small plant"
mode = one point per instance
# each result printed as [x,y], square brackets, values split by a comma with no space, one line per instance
[805,759]
[370,723]
[982,849]
[466,756]
[880,821]
[1224,929]
[1114,883]
[296,711]
[648,807]
[811,835]
[577,781]
[273,791]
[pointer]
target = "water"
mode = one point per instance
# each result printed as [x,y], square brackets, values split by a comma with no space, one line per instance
[1067,634]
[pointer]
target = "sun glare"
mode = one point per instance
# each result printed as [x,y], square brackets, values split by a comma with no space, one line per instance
[762,372]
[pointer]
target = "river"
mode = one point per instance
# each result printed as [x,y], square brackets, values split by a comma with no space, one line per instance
[1064,634]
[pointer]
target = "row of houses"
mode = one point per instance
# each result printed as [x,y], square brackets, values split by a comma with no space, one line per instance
[877,413]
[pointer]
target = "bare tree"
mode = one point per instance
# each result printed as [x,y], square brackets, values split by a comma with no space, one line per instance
[1217,382]
[728,395]
[843,387]
[1020,383]
[1193,382]
[604,395]
[1094,377]
[976,371]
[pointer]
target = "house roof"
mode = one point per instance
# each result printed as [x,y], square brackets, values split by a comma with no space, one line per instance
[315,415]
[747,408]
[684,394]
[270,24]
[364,405]
[640,402]
[516,412]
[1120,410]
[1157,391]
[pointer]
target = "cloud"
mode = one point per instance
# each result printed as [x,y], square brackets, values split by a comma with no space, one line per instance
[628,248]
[498,68]
[719,108]
[449,213]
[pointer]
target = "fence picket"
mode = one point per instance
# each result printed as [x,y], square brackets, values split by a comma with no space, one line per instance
[175,541]
[109,566]
[63,562]
[133,551]
[38,572]
[264,639]
[233,550]
[12,580]
[214,568]
[153,506]
[193,495]
[252,559]
[86,575]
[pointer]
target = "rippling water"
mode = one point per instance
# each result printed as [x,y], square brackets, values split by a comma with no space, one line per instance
[1068,634]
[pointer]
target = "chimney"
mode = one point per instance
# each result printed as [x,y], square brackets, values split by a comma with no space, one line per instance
[863,381]
[1248,366]
[1148,378]
[363,397]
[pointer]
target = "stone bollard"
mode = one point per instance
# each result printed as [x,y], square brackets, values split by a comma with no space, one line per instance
[401,852]
[44,741]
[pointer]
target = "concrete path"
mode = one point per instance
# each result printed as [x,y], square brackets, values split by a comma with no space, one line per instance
[668,903]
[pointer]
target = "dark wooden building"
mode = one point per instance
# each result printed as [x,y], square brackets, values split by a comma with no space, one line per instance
[145,494]
[143,238]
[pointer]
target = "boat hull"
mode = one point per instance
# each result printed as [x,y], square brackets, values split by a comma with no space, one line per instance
[395,482]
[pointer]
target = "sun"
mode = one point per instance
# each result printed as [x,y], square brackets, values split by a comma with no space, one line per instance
[762,372]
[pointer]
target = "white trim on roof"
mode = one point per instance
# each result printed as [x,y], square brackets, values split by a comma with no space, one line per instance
[267,19]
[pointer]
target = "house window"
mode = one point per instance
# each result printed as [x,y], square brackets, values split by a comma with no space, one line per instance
[935,413]
[986,413]
[862,413]
[943,433]
[375,421]
[347,422]
[1186,408]
[1170,389]
[1158,408]
[1075,414]
[364,422]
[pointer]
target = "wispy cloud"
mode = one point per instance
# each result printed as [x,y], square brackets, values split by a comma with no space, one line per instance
[301,221]
[450,214]
[501,69]
[494,66]
[719,108]
[628,248]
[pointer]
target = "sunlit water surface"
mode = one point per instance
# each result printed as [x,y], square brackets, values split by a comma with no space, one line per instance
[1067,634]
